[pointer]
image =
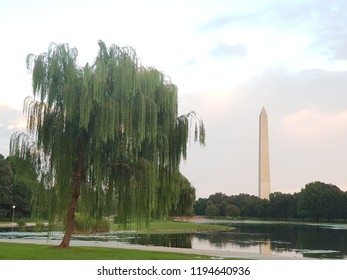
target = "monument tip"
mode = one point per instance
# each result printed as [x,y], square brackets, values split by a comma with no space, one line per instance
[263,111]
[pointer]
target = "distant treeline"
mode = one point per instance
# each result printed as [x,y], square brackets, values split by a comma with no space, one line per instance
[316,201]
[15,193]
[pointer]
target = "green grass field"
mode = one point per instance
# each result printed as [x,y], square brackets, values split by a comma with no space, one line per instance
[164,226]
[15,251]
[171,227]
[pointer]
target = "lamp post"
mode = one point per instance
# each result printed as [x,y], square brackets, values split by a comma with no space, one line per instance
[13,209]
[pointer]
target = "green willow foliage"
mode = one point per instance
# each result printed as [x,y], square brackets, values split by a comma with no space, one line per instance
[117,120]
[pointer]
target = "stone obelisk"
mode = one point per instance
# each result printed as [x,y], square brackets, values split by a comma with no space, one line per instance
[264,159]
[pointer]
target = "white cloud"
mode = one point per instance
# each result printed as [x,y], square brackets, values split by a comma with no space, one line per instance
[12,120]
[21,124]
[224,50]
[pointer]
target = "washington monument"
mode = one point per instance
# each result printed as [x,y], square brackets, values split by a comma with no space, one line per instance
[264,160]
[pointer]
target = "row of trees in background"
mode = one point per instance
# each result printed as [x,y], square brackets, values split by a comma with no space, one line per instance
[316,201]
[15,191]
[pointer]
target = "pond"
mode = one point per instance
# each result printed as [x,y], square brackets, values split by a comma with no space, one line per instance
[327,241]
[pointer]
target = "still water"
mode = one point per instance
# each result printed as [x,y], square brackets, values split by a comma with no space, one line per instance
[328,241]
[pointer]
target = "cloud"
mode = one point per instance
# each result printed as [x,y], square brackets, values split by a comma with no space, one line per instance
[333,33]
[221,21]
[191,61]
[285,93]
[274,13]
[327,20]
[314,123]
[323,22]
[18,124]
[12,120]
[223,50]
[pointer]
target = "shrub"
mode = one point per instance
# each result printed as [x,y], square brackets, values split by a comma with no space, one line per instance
[21,225]
[39,227]
[87,224]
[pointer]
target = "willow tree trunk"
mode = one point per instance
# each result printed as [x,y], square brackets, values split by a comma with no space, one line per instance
[73,203]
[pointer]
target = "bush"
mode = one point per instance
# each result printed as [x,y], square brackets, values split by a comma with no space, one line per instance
[87,224]
[39,227]
[211,210]
[232,210]
[21,225]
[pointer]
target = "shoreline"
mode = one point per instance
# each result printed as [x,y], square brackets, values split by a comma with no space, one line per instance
[218,254]
[197,219]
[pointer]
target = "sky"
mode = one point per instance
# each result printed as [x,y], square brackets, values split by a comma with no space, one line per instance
[228,59]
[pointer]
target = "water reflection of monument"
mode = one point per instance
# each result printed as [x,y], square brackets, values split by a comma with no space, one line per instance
[265,248]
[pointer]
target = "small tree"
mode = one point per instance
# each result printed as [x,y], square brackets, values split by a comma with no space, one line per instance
[111,127]
[320,200]
[232,210]
[219,200]
[283,205]
[211,210]
[6,184]
[200,206]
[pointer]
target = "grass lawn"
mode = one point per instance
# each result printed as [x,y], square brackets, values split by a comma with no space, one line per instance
[15,251]
[171,227]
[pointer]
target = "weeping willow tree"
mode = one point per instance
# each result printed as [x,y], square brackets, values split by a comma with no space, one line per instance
[183,203]
[110,129]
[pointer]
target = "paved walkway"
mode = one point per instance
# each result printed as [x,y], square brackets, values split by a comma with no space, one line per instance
[15,225]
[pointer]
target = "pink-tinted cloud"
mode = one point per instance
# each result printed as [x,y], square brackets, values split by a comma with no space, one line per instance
[315,123]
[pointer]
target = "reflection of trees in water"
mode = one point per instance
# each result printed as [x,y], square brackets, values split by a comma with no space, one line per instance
[306,239]
[282,237]
[224,239]
[323,238]
[179,240]
[324,255]
[294,236]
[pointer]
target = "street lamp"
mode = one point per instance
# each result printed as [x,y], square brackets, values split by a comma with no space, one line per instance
[13,208]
